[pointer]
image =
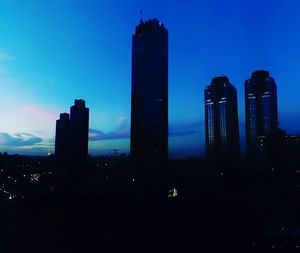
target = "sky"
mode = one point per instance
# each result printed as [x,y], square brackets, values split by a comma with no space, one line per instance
[52,52]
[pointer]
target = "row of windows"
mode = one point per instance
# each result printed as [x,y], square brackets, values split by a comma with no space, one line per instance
[211,122]
[266,113]
[252,118]
[223,132]
[211,126]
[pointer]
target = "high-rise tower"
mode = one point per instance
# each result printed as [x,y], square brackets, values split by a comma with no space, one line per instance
[79,131]
[149,92]
[221,120]
[261,108]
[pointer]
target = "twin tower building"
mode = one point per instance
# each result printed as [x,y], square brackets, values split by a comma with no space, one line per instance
[221,115]
[149,107]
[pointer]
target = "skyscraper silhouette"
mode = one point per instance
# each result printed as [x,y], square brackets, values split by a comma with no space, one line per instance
[79,130]
[149,92]
[221,120]
[261,108]
[62,136]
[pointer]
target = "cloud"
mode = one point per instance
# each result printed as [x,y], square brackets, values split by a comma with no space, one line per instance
[38,112]
[97,135]
[48,143]
[122,123]
[19,139]
[121,132]
[175,130]
[5,57]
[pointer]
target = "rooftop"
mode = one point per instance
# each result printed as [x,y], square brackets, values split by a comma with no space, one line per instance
[219,80]
[150,25]
[260,74]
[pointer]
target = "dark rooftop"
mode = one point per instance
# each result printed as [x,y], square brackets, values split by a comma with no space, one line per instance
[64,116]
[149,26]
[79,102]
[260,74]
[219,80]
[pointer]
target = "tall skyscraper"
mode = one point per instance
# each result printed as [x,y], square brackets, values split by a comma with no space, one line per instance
[261,108]
[149,92]
[79,131]
[221,120]
[62,136]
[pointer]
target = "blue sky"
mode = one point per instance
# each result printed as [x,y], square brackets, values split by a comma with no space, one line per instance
[52,52]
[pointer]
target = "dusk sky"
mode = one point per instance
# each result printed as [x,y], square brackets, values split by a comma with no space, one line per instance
[52,52]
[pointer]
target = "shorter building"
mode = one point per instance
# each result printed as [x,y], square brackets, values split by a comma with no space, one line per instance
[62,136]
[221,121]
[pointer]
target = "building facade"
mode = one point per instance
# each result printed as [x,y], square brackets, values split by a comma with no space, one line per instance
[79,134]
[221,120]
[149,92]
[260,108]
[62,136]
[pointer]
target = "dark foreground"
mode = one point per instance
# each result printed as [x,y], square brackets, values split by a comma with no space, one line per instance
[210,214]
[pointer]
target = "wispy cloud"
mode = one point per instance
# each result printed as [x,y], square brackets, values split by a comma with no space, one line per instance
[122,123]
[38,112]
[121,132]
[175,130]
[97,135]
[19,139]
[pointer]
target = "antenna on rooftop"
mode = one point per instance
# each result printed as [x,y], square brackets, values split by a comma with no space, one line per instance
[141,13]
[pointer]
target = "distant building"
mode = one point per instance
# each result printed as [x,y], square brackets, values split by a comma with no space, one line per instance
[293,139]
[79,131]
[149,92]
[260,108]
[221,120]
[62,136]
[279,152]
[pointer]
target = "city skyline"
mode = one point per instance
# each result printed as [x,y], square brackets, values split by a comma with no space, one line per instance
[48,60]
